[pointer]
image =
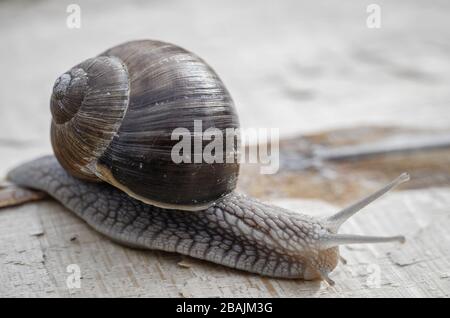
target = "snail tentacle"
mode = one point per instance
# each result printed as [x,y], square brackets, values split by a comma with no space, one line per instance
[335,221]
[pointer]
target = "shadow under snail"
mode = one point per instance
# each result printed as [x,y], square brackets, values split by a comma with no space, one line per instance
[113,116]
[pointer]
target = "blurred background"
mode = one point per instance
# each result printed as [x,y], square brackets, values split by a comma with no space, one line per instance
[301,66]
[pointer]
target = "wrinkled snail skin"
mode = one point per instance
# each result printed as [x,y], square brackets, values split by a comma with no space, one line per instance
[237,231]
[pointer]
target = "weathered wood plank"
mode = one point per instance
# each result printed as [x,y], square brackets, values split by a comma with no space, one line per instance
[38,244]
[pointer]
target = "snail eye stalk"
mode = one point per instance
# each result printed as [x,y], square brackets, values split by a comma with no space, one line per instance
[335,221]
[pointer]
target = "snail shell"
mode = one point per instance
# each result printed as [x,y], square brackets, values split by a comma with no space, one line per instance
[113,116]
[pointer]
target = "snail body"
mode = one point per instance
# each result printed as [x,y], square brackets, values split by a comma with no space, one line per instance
[238,231]
[112,119]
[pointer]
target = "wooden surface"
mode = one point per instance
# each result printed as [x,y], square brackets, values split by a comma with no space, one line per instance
[307,67]
[38,245]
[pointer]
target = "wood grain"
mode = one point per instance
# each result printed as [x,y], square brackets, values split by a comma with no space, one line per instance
[40,240]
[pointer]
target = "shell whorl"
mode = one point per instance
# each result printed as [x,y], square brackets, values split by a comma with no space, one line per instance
[68,94]
[87,104]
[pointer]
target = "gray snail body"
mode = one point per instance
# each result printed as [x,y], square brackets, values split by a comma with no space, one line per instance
[146,89]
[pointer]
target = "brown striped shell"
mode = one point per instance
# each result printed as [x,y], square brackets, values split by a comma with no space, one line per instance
[113,116]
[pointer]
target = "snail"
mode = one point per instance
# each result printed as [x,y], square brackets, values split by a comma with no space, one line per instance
[112,118]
